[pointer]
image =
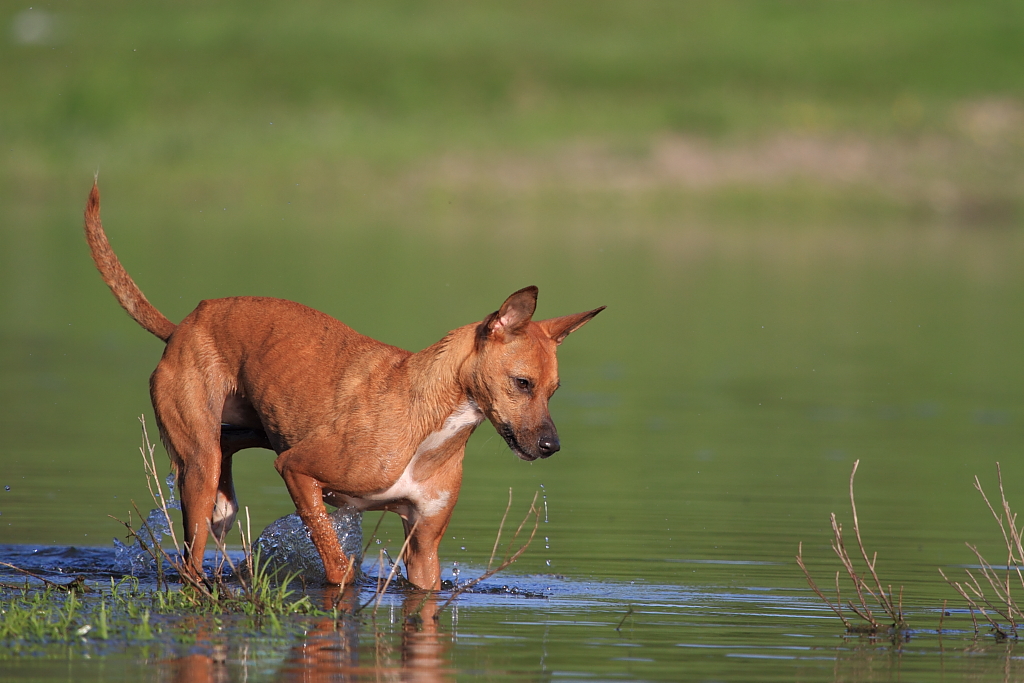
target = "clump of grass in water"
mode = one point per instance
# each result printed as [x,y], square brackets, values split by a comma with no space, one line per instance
[882,599]
[1001,581]
[50,614]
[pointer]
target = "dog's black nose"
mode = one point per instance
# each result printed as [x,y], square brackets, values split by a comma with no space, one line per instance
[548,445]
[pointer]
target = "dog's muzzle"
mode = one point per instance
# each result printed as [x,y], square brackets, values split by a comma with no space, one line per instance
[547,444]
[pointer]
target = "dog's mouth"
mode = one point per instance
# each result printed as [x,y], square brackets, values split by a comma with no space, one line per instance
[513,443]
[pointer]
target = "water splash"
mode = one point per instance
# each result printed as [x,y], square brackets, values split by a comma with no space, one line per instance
[133,558]
[172,504]
[285,545]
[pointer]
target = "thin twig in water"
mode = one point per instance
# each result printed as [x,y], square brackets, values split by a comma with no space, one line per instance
[509,557]
[973,605]
[623,620]
[374,534]
[501,527]
[394,566]
[814,586]
[76,584]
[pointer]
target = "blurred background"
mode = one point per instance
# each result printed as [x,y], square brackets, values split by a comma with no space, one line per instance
[805,218]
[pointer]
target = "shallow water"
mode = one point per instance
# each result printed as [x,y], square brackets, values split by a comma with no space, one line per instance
[515,627]
[709,421]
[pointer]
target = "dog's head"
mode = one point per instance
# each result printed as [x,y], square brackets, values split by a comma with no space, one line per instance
[514,372]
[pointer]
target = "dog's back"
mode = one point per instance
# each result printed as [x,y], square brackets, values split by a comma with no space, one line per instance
[296,368]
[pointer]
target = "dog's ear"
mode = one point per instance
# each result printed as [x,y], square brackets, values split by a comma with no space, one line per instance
[560,328]
[513,315]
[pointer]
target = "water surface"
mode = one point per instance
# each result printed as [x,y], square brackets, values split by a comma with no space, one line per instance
[709,421]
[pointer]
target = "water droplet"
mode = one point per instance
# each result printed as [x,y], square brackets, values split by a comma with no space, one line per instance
[7,488]
[377,541]
[547,562]
[463,547]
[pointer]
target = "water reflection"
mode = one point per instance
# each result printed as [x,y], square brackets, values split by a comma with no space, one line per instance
[330,649]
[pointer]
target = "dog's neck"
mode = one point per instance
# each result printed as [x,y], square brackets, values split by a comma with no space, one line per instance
[435,389]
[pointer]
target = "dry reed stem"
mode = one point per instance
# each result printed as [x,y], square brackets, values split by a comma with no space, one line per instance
[998,587]
[509,556]
[1002,587]
[394,566]
[501,526]
[817,591]
[893,609]
[374,534]
[839,547]
[972,604]
[885,600]
[148,450]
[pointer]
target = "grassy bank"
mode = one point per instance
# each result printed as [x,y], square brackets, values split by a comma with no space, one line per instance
[262,95]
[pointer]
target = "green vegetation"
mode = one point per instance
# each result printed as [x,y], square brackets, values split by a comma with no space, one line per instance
[438,73]
[348,98]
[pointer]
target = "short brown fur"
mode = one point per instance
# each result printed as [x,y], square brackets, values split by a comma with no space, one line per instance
[353,420]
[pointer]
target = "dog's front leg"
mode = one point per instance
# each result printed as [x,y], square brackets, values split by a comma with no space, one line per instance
[307,495]
[421,558]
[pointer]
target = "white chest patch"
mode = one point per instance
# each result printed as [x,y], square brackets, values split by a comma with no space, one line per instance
[427,501]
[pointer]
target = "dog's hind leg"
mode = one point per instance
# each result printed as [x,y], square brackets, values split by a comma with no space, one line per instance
[233,438]
[225,508]
[189,420]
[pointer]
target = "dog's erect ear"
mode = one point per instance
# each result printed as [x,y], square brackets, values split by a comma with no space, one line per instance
[560,328]
[513,315]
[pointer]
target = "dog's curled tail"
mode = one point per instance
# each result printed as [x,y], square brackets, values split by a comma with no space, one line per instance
[121,284]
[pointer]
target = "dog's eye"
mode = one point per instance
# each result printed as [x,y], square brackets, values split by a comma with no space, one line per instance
[523,384]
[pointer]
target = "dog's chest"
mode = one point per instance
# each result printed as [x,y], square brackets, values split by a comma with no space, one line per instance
[429,499]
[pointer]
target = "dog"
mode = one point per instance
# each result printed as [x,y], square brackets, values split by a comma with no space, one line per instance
[353,420]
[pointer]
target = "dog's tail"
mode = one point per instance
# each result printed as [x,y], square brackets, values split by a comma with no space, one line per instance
[121,284]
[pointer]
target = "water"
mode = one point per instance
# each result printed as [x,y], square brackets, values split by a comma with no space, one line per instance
[709,420]
[550,627]
[286,546]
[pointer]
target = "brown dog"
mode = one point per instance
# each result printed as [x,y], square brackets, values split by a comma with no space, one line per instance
[353,420]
